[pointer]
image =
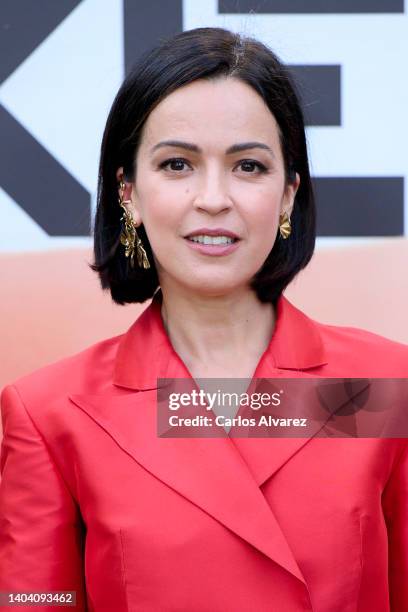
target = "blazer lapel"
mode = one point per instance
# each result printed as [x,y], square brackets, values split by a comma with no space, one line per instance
[212,473]
[295,348]
[207,471]
[320,401]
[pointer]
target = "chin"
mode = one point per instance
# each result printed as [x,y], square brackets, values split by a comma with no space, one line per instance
[211,288]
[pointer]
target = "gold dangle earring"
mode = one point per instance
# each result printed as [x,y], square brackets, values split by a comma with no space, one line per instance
[285,227]
[129,237]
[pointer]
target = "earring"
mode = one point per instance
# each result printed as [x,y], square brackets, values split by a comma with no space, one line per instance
[285,227]
[128,235]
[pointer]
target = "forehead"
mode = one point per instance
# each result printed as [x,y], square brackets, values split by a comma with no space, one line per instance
[224,109]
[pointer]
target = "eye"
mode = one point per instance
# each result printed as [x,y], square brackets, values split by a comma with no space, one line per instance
[176,165]
[175,162]
[250,163]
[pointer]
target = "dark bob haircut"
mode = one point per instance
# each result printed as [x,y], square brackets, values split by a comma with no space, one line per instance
[201,53]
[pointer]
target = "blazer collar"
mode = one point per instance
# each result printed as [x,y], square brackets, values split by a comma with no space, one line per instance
[145,352]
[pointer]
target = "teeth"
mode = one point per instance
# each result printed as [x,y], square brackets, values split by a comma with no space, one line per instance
[212,239]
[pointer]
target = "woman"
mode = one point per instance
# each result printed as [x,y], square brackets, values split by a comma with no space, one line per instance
[205,204]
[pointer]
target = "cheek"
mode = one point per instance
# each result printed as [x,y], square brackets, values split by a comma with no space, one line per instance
[160,212]
[163,223]
[263,214]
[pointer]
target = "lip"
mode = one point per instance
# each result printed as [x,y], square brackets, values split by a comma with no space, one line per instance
[213,249]
[216,231]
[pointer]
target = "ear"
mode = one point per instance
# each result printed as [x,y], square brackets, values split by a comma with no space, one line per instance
[127,195]
[288,199]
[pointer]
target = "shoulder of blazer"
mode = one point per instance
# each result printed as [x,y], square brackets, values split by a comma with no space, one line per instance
[80,372]
[359,347]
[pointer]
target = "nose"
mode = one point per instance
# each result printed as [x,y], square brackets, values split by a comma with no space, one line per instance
[212,195]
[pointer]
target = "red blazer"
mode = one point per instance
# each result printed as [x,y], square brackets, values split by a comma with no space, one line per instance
[93,501]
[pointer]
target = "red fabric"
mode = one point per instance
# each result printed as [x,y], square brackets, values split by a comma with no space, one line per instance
[92,501]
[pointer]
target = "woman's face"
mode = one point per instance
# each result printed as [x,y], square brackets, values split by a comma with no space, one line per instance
[203,186]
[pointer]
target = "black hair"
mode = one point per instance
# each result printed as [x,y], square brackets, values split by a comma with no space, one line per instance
[200,53]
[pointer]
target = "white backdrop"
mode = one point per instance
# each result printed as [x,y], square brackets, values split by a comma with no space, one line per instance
[62,93]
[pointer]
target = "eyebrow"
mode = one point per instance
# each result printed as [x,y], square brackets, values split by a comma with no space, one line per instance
[235,148]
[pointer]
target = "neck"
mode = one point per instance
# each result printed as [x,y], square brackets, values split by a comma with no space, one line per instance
[219,330]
